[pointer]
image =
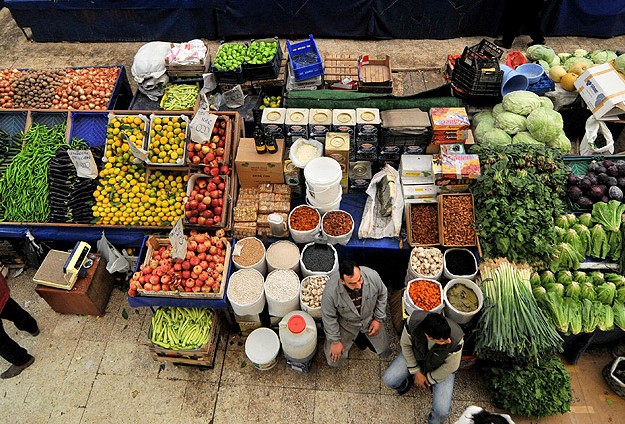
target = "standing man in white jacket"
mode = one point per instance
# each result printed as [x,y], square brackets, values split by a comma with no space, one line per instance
[353,309]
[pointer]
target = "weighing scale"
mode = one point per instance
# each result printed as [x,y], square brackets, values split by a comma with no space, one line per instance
[62,269]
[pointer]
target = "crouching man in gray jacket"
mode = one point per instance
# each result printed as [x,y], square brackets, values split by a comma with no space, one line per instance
[431,349]
[353,309]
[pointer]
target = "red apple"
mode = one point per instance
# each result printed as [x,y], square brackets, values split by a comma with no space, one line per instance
[197,147]
[210,156]
[207,200]
[211,186]
[197,269]
[201,221]
[201,207]
[218,210]
[186,274]
[193,220]
[214,171]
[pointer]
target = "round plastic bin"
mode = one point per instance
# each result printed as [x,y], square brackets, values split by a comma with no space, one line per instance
[262,347]
[324,207]
[323,179]
[532,71]
[453,313]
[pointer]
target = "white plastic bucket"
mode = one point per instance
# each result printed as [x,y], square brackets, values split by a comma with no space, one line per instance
[456,315]
[260,266]
[262,347]
[451,276]
[298,336]
[323,179]
[327,195]
[313,312]
[325,207]
[274,248]
[256,306]
[279,308]
[342,239]
[410,306]
[334,272]
[304,236]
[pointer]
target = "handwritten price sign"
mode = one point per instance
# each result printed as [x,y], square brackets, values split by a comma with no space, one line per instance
[84,163]
[178,241]
[202,126]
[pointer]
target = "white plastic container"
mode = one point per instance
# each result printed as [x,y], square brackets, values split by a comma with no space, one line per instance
[410,306]
[262,347]
[254,307]
[314,312]
[298,336]
[286,264]
[334,272]
[304,236]
[260,266]
[281,307]
[323,179]
[451,276]
[456,315]
[324,207]
[342,239]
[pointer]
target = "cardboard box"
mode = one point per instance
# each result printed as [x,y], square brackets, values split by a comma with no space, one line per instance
[603,89]
[455,169]
[254,168]
[416,169]
[419,191]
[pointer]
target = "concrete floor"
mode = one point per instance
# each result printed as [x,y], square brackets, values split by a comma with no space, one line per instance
[94,370]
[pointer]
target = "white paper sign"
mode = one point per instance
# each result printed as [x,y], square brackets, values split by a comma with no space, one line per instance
[84,163]
[137,152]
[202,126]
[178,241]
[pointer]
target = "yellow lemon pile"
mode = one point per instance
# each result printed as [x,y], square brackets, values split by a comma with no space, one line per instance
[119,132]
[167,137]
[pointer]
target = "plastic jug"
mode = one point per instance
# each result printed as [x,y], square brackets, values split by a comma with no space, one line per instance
[298,335]
[278,225]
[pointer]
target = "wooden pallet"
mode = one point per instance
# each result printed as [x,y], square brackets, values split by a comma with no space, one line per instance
[376,76]
[340,67]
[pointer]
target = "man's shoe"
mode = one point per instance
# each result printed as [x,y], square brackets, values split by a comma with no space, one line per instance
[533,43]
[35,333]
[406,388]
[15,370]
[502,44]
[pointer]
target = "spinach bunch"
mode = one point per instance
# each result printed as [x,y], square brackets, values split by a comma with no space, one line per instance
[517,198]
[534,391]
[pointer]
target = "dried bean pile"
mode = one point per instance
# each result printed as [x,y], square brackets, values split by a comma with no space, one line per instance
[252,251]
[282,285]
[337,223]
[318,258]
[304,218]
[458,221]
[245,286]
[283,255]
[424,223]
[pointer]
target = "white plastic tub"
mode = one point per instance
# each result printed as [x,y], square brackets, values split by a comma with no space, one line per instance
[456,315]
[323,207]
[262,347]
[323,179]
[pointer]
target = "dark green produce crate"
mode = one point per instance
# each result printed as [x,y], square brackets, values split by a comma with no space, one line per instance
[579,165]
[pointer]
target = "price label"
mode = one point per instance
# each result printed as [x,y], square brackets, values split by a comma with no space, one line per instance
[84,163]
[137,152]
[202,126]
[178,241]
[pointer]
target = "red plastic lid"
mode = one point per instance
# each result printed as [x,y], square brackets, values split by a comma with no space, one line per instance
[296,324]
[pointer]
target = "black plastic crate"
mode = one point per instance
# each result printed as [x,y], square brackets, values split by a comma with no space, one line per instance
[268,90]
[486,82]
[396,138]
[487,49]
[265,71]
[232,77]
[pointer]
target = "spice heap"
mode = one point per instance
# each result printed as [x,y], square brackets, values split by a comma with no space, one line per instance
[337,223]
[312,290]
[282,285]
[248,252]
[458,220]
[425,295]
[255,204]
[426,261]
[304,218]
[424,223]
[318,258]
[245,286]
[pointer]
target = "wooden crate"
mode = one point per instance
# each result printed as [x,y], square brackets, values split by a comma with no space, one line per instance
[441,224]
[202,357]
[338,68]
[408,214]
[376,76]
[195,70]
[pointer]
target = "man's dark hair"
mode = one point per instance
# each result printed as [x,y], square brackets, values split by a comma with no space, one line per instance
[346,267]
[485,417]
[436,326]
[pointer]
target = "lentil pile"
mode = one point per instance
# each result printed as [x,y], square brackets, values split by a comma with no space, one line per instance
[424,223]
[282,285]
[318,258]
[337,223]
[304,218]
[312,290]
[245,286]
[252,251]
[283,255]
[458,221]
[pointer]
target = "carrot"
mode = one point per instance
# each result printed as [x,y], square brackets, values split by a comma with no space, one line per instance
[425,294]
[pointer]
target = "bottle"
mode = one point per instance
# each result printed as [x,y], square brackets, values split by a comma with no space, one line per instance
[270,141]
[259,140]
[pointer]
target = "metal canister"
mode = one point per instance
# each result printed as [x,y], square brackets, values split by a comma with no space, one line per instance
[360,174]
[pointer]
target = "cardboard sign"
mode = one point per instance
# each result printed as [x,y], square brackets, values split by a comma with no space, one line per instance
[84,163]
[138,153]
[202,126]
[178,241]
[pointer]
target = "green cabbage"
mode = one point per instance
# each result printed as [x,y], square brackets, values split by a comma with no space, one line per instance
[573,60]
[580,53]
[602,56]
[588,291]
[619,63]
[497,109]
[510,122]
[546,102]
[521,102]
[545,124]
[524,137]
[482,128]
[496,137]
[619,314]
[564,56]
[562,142]
[555,62]
[540,52]
[482,117]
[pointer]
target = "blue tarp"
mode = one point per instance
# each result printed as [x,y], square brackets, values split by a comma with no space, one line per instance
[592,18]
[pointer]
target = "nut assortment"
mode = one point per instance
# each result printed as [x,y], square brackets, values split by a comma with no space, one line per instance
[426,261]
[337,223]
[304,218]
[312,290]
[424,223]
[458,220]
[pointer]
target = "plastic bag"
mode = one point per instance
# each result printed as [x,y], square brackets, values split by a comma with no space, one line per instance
[154,88]
[115,261]
[591,143]
[149,61]
[560,97]
[373,225]
[515,58]
[308,144]
[234,98]
[189,53]
[33,251]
